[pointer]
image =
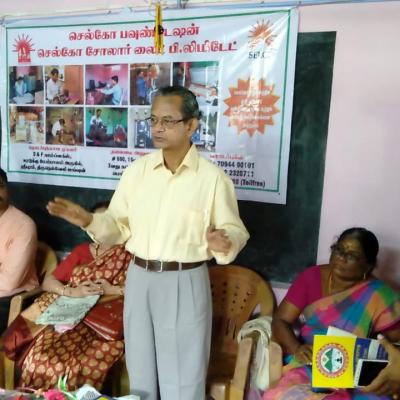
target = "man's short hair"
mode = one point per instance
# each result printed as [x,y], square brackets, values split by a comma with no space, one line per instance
[54,71]
[115,78]
[3,176]
[190,106]
[98,110]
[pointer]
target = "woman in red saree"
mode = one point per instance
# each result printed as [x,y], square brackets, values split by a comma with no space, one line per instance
[84,356]
[342,294]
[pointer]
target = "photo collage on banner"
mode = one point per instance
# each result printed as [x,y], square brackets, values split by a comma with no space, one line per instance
[104,105]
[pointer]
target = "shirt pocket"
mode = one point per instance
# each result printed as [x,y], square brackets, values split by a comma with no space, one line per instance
[193,226]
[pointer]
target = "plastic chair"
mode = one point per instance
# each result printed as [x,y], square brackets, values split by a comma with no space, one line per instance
[236,293]
[46,262]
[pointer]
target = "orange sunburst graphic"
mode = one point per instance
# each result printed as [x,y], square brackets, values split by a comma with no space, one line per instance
[261,33]
[23,45]
[251,106]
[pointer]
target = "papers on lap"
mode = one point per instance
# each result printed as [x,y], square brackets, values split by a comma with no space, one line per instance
[67,310]
[335,357]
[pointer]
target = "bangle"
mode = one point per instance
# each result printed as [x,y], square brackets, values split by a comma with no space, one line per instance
[121,291]
[63,290]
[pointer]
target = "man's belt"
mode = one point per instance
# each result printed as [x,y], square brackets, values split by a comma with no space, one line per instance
[160,266]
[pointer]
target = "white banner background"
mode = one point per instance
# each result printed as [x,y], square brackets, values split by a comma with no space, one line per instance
[240,63]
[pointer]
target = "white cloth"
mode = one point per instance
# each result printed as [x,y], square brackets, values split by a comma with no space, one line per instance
[259,373]
[96,120]
[53,88]
[57,127]
[20,88]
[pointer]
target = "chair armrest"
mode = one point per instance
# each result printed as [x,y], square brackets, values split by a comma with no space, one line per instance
[18,300]
[238,383]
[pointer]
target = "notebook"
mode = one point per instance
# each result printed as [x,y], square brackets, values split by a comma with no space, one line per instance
[335,358]
[67,310]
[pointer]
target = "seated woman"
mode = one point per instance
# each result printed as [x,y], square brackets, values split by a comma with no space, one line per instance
[341,294]
[80,353]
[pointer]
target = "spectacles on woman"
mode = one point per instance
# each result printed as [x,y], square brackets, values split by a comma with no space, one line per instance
[350,256]
[165,122]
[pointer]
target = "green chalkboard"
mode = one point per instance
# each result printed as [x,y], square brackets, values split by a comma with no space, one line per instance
[284,238]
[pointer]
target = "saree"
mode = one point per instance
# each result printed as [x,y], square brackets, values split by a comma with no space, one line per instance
[364,310]
[80,354]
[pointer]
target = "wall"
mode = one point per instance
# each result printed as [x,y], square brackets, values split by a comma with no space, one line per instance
[361,185]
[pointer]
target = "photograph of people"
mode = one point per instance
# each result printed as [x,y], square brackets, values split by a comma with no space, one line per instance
[205,135]
[20,86]
[201,77]
[26,124]
[145,79]
[141,128]
[64,84]
[106,127]
[64,125]
[26,85]
[106,84]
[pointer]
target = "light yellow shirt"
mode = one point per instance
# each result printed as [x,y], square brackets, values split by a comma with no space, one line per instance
[164,216]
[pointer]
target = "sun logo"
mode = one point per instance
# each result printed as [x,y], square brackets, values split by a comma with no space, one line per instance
[251,106]
[23,46]
[261,33]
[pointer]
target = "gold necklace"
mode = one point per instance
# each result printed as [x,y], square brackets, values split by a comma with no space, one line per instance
[330,279]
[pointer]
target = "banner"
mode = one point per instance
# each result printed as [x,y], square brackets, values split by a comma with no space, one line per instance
[77,95]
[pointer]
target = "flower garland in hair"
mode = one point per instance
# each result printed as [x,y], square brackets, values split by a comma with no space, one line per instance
[158,31]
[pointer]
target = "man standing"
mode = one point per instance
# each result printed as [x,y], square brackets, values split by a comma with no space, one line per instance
[58,127]
[18,245]
[96,119]
[115,91]
[141,87]
[175,210]
[53,86]
[20,87]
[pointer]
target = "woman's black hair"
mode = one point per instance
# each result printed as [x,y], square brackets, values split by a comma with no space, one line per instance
[367,240]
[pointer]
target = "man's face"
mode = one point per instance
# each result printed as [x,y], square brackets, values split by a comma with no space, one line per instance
[113,83]
[177,136]
[4,198]
[54,77]
[98,113]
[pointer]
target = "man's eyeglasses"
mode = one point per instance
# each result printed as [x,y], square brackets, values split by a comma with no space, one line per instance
[350,257]
[165,122]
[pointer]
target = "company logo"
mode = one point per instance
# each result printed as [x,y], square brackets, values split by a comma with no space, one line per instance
[251,106]
[23,46]
[332,360]
[261,33]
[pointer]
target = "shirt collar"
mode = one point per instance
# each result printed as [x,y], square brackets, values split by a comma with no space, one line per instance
[190,161]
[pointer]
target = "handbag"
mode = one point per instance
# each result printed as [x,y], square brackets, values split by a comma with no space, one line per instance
[106,318]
